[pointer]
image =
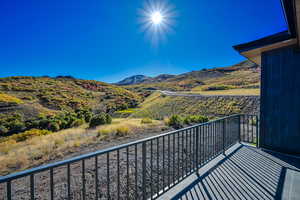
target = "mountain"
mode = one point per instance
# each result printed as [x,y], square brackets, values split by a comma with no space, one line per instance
[244,74]
[138,79]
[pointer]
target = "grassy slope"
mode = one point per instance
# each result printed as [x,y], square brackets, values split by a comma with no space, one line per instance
[242,79]
[51,95]
[158,106]
[230,92]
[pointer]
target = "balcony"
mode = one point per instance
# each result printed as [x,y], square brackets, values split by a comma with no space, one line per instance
[205,161]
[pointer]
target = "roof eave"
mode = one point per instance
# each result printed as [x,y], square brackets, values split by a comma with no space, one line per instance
[252,50]
[278,37]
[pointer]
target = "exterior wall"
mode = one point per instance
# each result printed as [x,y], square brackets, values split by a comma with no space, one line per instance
[280,100]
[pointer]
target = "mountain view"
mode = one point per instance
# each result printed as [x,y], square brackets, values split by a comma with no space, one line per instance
[126,100]
[33,107]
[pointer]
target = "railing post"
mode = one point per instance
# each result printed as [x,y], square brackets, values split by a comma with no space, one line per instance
[8,190]
[197,148]
[257,132]
[239,128]
[224,134]
[144,154]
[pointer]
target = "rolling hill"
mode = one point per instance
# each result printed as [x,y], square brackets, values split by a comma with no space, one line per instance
[213,92]
[242,75]
[25,99]
[32,96]
[159,106]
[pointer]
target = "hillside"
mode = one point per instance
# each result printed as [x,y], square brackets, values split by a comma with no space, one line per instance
[242,75]
[159,106]
[64,102]
[31,97]
[212,92]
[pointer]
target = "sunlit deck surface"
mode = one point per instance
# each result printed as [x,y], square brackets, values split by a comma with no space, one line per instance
[244,172]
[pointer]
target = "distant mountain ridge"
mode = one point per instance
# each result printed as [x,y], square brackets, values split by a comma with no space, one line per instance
[138,79]
[199,75]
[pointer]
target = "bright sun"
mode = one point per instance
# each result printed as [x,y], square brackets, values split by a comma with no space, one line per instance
[156,17]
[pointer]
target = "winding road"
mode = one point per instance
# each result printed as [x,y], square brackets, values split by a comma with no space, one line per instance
[183,94]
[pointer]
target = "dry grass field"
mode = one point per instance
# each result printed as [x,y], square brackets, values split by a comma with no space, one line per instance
[16,156]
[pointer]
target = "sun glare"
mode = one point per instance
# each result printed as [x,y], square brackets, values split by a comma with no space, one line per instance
[157,19]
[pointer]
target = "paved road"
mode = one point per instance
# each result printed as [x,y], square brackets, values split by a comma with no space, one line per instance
[170,93]
[183,94]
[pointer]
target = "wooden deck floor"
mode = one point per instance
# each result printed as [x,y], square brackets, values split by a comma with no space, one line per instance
[243,173]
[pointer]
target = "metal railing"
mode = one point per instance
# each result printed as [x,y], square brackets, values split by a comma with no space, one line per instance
[249,129]
[139,170]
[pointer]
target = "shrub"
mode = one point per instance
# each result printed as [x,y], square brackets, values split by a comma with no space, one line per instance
[188,120]
[88,116]
[77,122]
[64,124]
[103,134]
[16,126]
[217,87]
[25,135]
[146,121]
[84,114]
[3,130]
[122,131]
[108,119]
[30,124]
[176,121]
[166,121]
[53,126]
[198,119]
[100,119]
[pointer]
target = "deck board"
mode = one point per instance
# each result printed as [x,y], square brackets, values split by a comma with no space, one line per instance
[244,172]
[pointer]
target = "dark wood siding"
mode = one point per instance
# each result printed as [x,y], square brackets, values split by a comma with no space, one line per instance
[280,100]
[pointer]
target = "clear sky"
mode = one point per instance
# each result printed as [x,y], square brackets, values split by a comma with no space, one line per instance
[102,39]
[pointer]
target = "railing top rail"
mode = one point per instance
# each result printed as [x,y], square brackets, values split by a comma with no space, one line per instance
[97,153]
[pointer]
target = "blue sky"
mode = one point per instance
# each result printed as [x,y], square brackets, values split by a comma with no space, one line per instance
[102,40]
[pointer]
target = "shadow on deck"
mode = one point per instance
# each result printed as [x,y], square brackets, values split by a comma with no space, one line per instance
[244,173]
